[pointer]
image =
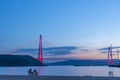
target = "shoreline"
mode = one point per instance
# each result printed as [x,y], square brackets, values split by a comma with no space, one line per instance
[27,77]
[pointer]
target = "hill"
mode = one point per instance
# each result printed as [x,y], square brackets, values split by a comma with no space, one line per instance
[80,63]
[18,60]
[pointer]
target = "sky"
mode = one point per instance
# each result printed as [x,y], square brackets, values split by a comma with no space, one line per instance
[82,24]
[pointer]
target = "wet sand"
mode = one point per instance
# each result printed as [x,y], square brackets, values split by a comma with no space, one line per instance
[21,77]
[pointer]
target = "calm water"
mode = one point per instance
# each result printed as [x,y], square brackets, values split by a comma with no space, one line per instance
[63,70]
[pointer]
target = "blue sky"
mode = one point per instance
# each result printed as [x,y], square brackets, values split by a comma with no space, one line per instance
[82,23]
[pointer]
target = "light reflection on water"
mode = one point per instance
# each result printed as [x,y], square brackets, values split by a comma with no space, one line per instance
[62,70]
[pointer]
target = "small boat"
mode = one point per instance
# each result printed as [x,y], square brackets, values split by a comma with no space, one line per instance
[114,65]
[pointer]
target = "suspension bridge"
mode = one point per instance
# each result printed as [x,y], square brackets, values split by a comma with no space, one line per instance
[110,60]
[37,51]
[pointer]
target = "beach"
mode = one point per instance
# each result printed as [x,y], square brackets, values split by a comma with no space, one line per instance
[22,77]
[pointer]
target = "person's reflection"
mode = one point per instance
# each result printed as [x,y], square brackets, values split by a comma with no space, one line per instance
[110,74]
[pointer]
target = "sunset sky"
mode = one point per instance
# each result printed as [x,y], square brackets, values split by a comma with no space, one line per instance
[83,26]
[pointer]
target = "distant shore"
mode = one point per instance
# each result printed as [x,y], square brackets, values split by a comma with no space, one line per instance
[22,77]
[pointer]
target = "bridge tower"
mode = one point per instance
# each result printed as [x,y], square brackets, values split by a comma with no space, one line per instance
[110,56]
[40,56]
[117,54]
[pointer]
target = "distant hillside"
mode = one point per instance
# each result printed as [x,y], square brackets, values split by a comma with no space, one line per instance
[18,60]
[81,63]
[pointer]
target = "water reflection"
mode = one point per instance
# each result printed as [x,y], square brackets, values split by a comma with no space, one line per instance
[63,70]
[110,74]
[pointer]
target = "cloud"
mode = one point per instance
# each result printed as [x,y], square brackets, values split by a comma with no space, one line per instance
[106,48]
[53,51]
[65,52]
[26,50]
[50,51]
[59,50]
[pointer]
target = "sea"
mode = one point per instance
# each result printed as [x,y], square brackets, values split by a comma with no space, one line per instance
[63,70]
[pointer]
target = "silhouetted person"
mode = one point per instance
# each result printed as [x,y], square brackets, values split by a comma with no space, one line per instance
[35,73]
[30,72]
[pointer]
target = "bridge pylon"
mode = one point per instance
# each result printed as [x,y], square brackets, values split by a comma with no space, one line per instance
[40,55]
